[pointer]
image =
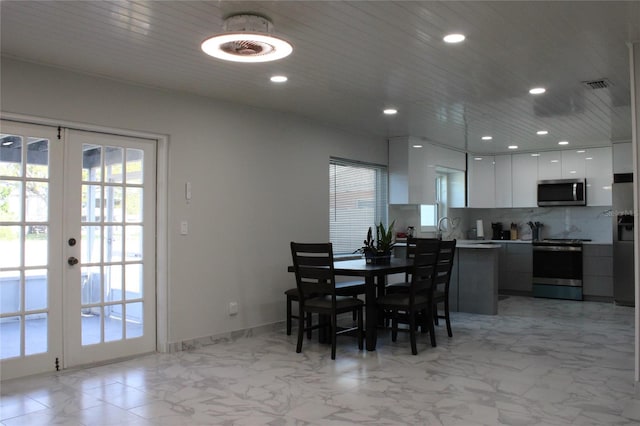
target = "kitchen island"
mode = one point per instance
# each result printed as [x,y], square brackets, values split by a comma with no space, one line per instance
[474,278]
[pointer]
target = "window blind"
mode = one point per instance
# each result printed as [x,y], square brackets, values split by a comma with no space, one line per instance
[358,200]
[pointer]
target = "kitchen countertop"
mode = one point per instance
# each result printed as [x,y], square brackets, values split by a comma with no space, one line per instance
[498,242]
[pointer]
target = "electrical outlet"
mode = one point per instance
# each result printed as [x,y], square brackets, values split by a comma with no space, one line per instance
[233,308]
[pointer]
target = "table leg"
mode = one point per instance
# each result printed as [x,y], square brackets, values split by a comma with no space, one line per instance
[370,313]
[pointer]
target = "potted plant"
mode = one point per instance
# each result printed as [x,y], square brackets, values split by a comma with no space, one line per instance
[378,252]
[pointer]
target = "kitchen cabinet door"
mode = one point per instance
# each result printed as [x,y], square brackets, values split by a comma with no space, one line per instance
[503,181]
[573,166]
[410,180]
[599,174]
[550,165]
[622,158]
[524,191]
[481,181]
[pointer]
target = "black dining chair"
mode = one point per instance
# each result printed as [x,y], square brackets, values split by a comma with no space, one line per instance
[417,302]
[317,291]
[441,281]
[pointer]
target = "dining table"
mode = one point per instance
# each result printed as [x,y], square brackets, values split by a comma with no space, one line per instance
[375,278]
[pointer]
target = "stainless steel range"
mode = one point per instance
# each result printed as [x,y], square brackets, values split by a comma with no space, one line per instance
[557,269]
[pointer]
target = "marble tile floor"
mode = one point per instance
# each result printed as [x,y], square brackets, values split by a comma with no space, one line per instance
[539,362]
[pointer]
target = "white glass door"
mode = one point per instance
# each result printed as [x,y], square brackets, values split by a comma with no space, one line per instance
[110,270]
[77,248]
[30,250]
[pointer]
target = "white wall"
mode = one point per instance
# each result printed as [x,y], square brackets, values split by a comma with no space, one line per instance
[260,179]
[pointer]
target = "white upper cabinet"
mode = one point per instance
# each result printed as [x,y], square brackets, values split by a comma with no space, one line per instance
[481,181]
[412,169]
[524,180]
[550,165]
[503,181]
[622,158]
[573,164]
[599,174]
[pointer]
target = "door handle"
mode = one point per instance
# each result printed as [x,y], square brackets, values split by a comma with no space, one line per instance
[72,261]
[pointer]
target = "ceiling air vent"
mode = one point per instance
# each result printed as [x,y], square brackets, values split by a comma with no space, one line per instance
[602,83]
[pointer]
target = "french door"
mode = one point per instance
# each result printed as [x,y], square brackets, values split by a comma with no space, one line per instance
[77,224]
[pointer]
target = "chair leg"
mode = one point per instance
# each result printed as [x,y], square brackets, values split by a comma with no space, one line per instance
[394,326]
[301,316]
[354,315]
[309,323]
[412,332]
[288,316]
[360,329]
[432,331]
[446,317]
[435,314]
[334,328]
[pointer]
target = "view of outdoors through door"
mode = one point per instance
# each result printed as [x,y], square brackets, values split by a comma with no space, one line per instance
[77,270]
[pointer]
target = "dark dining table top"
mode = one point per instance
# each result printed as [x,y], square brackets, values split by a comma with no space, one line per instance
[360,268]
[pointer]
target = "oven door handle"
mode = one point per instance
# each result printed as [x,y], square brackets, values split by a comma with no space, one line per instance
[556,248]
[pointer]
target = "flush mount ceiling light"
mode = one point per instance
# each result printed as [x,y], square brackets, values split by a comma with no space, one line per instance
[390,111]
[247,38]
[487,138]
[279,79]
[513,147]
[454,38]
[537,90]
[563,143]
[417,146]
[542,132]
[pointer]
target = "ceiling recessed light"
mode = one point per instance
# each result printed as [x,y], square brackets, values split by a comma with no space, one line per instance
[535,155]
[247,38]
[572,172]
[417,146]
[454,38]
[390,111]
[487,138]
[537,90]
[581,151]
[513,147]
[542,132]
[563,143]
[279,78]
[589,158]
[477,158]
[555,161]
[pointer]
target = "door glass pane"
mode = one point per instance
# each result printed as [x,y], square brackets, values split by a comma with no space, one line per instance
[113,323]
[10,201]
[113,164]
[37,201]
[10,337]
[9,291]
[113,204]
[113,283]
[91,163]
[135,162]
[91,325]
[91,285]
[36,246]
[36,289]
[133,281]
[133,242]
[38,158]
[135,320]
[35,333]
[10,155]
[91,204]
[134,205]
[10,246]
[112,243]
[90,244]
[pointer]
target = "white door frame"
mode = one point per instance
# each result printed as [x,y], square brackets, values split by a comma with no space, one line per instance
[162,246]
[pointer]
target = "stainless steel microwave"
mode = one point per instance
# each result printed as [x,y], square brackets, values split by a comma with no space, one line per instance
[562,192]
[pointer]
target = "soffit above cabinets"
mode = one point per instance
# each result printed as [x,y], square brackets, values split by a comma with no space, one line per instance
[352,59]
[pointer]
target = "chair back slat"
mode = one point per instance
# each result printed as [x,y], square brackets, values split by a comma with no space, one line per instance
[313,267]
[424,264]
[411,251]
[444,266]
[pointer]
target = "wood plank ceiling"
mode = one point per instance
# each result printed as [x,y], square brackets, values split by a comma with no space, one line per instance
[351,59]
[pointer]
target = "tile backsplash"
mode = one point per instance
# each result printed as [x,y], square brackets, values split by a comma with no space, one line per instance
[594,223]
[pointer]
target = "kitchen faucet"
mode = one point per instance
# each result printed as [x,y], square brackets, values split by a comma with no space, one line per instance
[440,221]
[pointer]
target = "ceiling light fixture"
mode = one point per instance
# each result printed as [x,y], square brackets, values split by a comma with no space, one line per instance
[417,146]
[535,155]
[390,111]
[477,158]
[542,132]
[563,143]
[537,90]
[454,38]
[513,147]
[581,151]
[279,78]
[487,138]
[247,38]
